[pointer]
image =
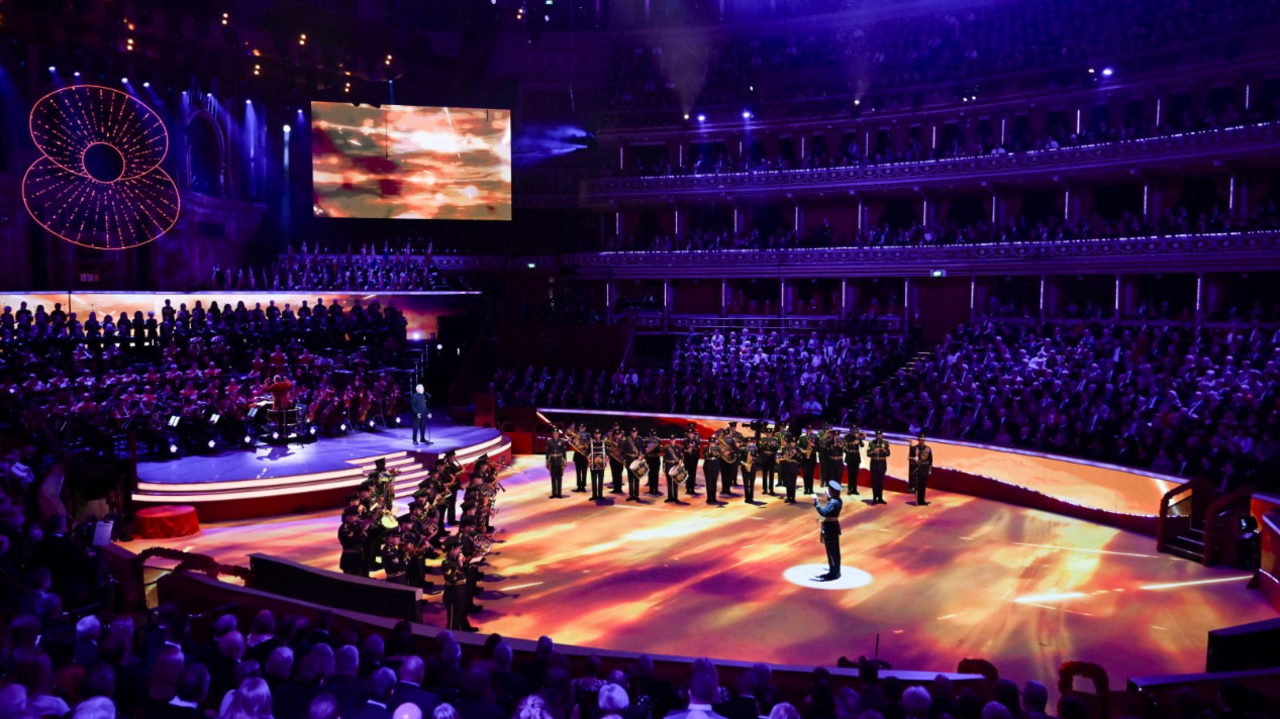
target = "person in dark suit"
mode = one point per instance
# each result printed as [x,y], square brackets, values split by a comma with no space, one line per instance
[193,688]
[377,706]
[418,407]
[744,705]
[409,689]
[58,553]
[703,690]
[830,532]
[345,686]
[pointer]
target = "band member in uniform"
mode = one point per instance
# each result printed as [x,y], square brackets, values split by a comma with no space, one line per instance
[613,446]
[579,438]
[878,453]
[631,451]
[924,463]
[393,559]
[911,467]
[853,456]
[450,478]
[692,450]
[352,537]
[418,410]
[750,467]
[768,447]
[455,587]
[413,547]
[789,468]
[672,457]
[833,458]
[829,519]
[653,457]
[730,455]
[711,466]
[807,444]
[598,456]
[555,463]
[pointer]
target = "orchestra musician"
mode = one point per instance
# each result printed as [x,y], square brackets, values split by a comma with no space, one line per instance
[556,448]
[692,449]
[672,457]
[789,468]
[279,389]
[878,454]
[924,463]
[598,457]
[853,455]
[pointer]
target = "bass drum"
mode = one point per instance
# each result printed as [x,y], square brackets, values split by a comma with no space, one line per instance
[640,468]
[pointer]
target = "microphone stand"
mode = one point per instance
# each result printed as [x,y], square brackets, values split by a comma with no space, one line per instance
[428,419]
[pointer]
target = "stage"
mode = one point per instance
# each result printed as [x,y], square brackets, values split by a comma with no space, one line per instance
[286,479]
[963,577]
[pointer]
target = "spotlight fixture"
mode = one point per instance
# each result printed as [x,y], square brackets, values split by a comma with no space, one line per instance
[124,80]
[212,444]
[275,435]
[342,427]
[746,114]
[76,73]
[173,449]
[312,431]
[288,129]
[146,84]
[52,68]
[370,424]
[247,439]
[398,420]
[702,118]
[1108,72]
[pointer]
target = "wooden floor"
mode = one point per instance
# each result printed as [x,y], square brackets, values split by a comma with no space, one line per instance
[962,577]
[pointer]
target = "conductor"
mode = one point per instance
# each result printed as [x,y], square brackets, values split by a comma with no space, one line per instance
[418,406]
[829,521]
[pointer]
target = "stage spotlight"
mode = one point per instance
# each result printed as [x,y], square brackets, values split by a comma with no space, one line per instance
[439,347]
[52,68]
[686,116]
[370,424]
[212,444]
[248,102]
[342,427]
[398,421]
[146,84]
[124,80]
[702,118]
[312,431]
[76,73]
[173,449]
[1108,72]
[288,129]
[746,114]
[248,440]
[275,435]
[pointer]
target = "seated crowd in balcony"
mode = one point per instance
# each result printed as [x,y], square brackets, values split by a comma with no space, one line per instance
[1171,221]
[957,47]
[63,379]
[368,270]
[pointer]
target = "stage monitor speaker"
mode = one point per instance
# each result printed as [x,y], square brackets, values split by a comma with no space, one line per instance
[486,410]
[1244,647]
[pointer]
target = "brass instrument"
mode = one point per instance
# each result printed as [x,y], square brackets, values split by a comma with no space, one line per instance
[483,544]
[614,451]
[728,450]
[750,459]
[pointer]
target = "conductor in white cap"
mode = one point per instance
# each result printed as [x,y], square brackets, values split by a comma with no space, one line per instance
[829,521]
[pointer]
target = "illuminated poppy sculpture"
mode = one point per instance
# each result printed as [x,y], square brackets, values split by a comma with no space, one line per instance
[99,182]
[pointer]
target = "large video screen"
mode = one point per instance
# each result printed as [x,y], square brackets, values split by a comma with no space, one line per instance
[410,162]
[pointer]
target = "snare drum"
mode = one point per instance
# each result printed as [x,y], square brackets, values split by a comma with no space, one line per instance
[679,474]
[640,468]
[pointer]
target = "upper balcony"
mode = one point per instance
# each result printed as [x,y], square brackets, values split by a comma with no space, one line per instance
[1207,150]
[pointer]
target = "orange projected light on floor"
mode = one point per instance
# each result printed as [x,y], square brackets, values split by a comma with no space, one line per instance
[963,577]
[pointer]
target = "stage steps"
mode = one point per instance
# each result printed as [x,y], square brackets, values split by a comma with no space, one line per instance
[1189,544]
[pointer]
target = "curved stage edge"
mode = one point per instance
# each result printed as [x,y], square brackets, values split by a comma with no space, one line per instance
[1106,494]
[292,479]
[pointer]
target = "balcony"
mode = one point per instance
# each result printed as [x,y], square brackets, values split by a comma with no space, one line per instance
[1200,150]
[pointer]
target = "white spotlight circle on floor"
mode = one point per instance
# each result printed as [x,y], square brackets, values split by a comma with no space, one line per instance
[806,575]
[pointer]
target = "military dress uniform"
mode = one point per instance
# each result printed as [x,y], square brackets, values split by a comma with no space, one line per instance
[751,457]
[768,446]
[653,458]
[631,451]
[711,467]
[672,457]
[614,442]
[853,457]
[878,453]
[729,458]
[556,448]
[829,519]
[807,446]
[352,537]
[692,450]
[833,458]
[924,463]
[581,461]
[789,469]
[394,561]
[455,589]
[598,458]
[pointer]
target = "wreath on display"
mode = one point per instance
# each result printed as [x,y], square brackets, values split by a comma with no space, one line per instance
[190,562]
[98,182]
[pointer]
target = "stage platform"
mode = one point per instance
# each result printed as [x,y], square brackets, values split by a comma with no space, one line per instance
[273,480]
[962,577]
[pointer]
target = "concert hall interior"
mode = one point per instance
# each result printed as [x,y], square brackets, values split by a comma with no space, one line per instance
[639,359]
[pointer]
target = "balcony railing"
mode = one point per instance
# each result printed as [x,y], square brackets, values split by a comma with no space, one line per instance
[1208,145]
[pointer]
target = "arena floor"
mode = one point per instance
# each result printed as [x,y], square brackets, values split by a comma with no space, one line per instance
[963,577]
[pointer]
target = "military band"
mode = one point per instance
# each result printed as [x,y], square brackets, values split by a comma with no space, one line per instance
[768,447]
[878,456]
[750,467]
[557,449]
[692,448]
[597,456]
[853,443]
[807,444]
[579,438]
[653,458]
[673,466]
[632,454]
[789,468]
[829,532]
[923,465]
[613,446]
